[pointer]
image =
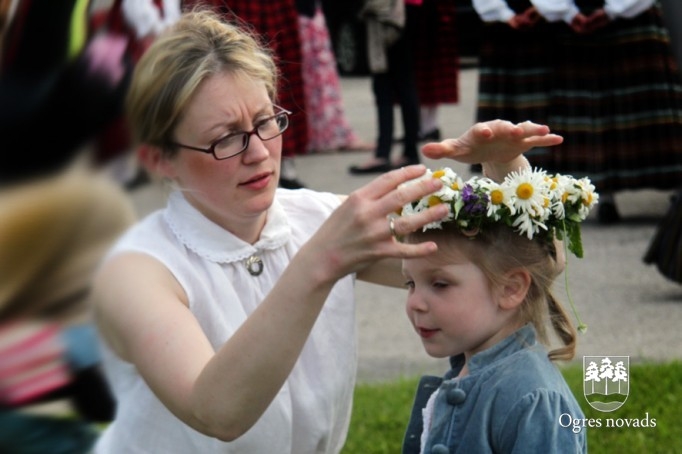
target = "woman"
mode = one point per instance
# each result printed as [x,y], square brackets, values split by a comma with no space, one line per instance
[228,317]
[277,22]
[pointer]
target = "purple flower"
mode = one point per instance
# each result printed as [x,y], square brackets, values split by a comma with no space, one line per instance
[474,204]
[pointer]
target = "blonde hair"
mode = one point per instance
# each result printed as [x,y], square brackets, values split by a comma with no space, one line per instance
[198,46]
[498,250]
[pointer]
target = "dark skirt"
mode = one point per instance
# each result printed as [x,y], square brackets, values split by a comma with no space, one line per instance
[616,98]
[515,69]
[615,95]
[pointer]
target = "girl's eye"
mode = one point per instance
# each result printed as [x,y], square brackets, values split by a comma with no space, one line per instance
[409,284]
[440,284]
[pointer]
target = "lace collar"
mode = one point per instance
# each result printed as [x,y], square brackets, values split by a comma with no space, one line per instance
[216,244]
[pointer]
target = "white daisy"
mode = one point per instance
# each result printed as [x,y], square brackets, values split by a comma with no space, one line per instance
[529,192]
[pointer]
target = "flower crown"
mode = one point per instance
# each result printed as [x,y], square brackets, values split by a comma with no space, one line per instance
[529,201]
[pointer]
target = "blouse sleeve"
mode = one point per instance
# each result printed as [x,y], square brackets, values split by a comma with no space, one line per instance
[493,10]
[143,17]
[626,8]
[535,424]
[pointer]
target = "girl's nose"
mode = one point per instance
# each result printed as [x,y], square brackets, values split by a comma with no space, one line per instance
[415,303]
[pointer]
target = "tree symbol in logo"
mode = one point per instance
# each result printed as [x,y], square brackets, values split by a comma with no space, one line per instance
[599,371]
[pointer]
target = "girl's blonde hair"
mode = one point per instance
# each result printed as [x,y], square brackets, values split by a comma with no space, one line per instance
[198,46]
[498,250]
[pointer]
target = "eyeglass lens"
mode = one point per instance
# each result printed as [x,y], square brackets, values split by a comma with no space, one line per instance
[234,144]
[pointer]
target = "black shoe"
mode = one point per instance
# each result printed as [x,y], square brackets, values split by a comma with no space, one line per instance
[431,136]
[290,183]
[376,168]
[404,163]
[607,213]
[476,168]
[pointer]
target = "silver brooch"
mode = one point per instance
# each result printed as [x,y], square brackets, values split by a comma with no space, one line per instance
[255,265]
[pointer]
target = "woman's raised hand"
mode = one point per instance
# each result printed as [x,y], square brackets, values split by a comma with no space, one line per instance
[494,142]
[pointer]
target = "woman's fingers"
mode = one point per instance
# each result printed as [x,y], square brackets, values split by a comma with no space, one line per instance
[391,192]
[403,225]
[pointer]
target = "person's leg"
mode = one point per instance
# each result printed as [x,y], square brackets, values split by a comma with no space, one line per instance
[403,82]
[429,123]
[383,97]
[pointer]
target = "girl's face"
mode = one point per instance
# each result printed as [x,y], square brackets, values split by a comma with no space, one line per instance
[235,192]
[452,305]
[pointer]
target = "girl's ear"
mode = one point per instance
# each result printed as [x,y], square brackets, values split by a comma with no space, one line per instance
[152,158]
[515,289]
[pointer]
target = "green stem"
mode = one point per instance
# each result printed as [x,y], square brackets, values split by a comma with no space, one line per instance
[582,328]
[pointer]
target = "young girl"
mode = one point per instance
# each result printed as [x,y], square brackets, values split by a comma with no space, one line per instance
[482,300]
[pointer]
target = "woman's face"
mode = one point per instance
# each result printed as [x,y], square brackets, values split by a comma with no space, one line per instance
[235,192]
[452,306]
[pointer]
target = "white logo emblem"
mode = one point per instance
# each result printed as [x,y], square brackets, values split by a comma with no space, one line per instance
[606,382]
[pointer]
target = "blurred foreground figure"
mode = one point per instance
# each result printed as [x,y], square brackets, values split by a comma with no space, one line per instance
[58,217]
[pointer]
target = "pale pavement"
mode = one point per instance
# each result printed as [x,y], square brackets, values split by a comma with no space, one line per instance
[630,308]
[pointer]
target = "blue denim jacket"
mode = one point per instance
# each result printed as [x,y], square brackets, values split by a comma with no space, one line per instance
[510,402]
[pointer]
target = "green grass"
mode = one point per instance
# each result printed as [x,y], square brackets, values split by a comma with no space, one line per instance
[381,412]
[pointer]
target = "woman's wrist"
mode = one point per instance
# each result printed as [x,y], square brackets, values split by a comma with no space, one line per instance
[498,171]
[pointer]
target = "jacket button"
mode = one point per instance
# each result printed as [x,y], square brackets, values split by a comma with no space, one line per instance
[440,449]
[455,396]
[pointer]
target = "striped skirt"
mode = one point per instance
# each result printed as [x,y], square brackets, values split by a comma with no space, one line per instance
[614,95]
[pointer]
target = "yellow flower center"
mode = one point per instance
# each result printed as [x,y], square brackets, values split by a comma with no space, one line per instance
[496,197]
[434,200]
[546,202]
[564,197]
[588,200]
[454,186]
[524,191]
[438,173]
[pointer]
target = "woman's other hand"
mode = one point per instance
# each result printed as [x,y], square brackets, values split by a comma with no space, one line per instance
[498,144]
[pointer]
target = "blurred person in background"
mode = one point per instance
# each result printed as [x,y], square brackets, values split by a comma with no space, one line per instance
[665,247]
[328,127]
[390,34]
[58,218]
[138,22]
[616,97]
[436,60]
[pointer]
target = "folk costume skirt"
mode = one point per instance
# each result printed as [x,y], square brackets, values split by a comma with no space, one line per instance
[616,98]
[435,53]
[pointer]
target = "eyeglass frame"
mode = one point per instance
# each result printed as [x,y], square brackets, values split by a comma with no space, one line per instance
[247,135]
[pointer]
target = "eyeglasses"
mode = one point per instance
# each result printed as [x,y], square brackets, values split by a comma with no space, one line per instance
[236,143]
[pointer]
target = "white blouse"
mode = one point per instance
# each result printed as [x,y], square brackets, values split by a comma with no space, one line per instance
[311,412]
[145,18]
[565,10]
[557,10]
